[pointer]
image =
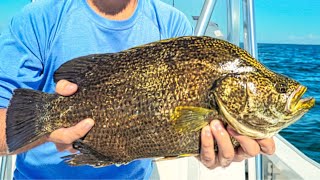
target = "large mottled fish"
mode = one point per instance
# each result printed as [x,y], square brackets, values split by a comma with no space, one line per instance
[152,101]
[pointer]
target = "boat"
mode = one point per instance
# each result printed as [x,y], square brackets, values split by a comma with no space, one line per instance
[286,163]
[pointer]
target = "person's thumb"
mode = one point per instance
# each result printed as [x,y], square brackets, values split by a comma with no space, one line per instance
[71,134]
[66,88]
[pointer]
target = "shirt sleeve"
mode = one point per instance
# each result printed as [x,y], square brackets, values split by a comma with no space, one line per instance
[173,23]
[20,57]
[180,25]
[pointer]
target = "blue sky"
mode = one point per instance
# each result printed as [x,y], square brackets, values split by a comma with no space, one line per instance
[278,21]
[291,21]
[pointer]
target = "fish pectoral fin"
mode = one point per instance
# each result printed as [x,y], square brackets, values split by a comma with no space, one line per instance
[87,156]
[190,118]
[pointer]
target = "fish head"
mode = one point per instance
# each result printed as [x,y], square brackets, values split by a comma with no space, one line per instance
[259,106]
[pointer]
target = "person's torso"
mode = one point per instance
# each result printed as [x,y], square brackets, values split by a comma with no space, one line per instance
[75,30]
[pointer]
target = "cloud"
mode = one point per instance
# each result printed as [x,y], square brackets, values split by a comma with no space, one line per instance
[305,39]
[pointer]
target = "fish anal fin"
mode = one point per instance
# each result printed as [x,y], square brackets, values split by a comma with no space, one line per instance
[165,158]
[87,156]
[190,118]
[174,157]
[187,155]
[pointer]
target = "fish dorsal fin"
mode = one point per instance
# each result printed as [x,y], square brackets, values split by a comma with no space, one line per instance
[190,118]
[76,69]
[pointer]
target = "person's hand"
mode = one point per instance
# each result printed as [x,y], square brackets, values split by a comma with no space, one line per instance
[64,137]
[227,154]
[251,147]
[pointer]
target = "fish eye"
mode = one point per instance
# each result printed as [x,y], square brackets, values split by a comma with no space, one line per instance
[281,87]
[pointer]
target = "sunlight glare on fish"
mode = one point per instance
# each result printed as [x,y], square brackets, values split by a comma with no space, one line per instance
[233,66]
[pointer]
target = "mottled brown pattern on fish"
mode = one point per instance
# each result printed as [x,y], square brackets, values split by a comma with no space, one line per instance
[138,103]
[133,94]
[138,89]
[138,96]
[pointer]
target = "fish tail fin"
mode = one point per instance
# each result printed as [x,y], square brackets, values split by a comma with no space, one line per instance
[28,118]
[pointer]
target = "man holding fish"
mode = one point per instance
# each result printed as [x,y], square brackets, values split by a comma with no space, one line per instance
[48,33]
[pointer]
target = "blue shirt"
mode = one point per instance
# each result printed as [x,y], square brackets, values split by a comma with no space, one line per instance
[48,33]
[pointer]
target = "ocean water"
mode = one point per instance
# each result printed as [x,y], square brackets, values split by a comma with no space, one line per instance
[302,63]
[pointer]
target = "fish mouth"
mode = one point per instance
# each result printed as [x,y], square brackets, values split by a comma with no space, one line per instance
[297,104]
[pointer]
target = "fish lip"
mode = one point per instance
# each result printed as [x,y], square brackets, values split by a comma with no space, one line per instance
[296,103]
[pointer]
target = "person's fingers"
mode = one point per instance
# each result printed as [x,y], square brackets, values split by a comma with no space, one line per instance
[66,88]
[225,147]
[69,135]
[267,145]
[240,155]
[249,146]
[207,153]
